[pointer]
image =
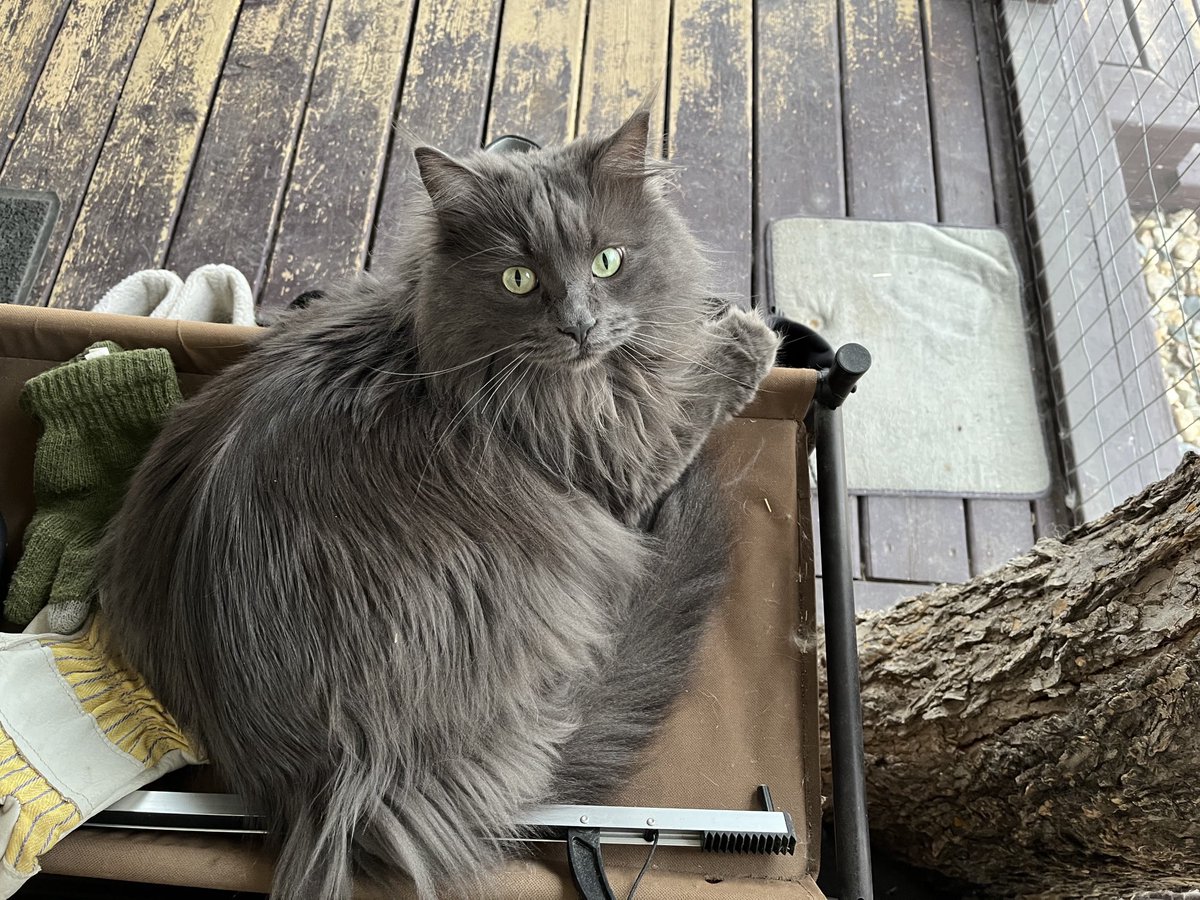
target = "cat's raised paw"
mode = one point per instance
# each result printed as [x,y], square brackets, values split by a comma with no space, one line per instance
[744,354]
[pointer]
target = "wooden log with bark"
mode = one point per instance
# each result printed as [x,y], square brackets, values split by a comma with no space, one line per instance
[1036,730]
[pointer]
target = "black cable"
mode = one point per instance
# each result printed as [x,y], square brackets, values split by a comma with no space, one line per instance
[646,865]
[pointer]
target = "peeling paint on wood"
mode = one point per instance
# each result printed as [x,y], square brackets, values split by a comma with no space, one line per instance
[888,159]
[134,196]
[335,182]
[710,131]
[960,152]
[799,109]
[444,98]
[536,91]
[624,63]
[799,150]
[27,32]
[237,182]
[69,114]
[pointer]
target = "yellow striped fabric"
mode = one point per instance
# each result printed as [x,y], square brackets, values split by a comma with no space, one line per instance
[125,710]
[45,814]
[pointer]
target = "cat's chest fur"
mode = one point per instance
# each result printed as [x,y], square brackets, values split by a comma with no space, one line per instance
[605,431]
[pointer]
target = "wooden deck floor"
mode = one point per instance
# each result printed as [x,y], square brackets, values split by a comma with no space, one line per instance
[258,133]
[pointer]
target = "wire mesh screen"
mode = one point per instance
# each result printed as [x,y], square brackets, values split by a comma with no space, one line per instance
[1106,102]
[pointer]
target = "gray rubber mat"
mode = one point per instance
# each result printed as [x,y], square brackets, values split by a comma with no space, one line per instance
[26,220]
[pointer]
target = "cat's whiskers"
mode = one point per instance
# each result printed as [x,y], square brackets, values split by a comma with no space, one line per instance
[652,345]
[413,376]
[472,256]
[680,323]
[494,383]
[640,358]
[495,392]
[458,419]
[500,406]
[691,308]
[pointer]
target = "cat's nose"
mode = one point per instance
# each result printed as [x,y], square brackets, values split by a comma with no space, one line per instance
[580,329]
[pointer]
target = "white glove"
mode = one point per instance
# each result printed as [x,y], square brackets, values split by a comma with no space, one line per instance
[78,731]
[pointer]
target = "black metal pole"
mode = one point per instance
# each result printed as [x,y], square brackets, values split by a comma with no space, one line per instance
[853,845]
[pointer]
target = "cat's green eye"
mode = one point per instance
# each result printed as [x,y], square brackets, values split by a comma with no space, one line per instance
[607,262]
[519,280]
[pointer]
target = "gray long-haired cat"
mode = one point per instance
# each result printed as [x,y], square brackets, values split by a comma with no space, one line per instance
[442,545]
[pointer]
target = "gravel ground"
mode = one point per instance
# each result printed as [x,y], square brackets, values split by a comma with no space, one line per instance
[1170,247]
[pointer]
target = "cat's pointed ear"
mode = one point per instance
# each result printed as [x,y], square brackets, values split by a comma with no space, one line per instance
[446,180]
[624,153]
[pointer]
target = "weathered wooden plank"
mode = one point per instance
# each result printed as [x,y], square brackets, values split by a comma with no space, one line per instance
[538,69]
[335,181]
[798,156]
[855,535]
[997,530]
[1001,140]
[889,170]
[624,62]
[962,167]
[69,113]
[905,536]
[710,131]
[127,216]
[445,93]
[237,182]
[889,174]
[27,32]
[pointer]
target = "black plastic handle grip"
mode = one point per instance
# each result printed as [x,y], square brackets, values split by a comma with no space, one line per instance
[850,363]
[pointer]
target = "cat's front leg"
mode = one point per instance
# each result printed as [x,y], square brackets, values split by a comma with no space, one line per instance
[740,353]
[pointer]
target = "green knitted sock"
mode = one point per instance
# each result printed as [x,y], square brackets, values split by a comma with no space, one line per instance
[99,414]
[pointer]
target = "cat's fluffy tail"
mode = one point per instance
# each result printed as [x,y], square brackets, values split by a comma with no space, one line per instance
[359,825]
[657,642]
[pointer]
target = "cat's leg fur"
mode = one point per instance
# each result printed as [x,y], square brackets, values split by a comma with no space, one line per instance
[737,356]
[653,647]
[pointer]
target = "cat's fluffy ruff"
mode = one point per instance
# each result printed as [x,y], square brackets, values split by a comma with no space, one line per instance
[415,564]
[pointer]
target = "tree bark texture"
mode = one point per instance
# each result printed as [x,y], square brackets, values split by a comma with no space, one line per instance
[1037,730]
